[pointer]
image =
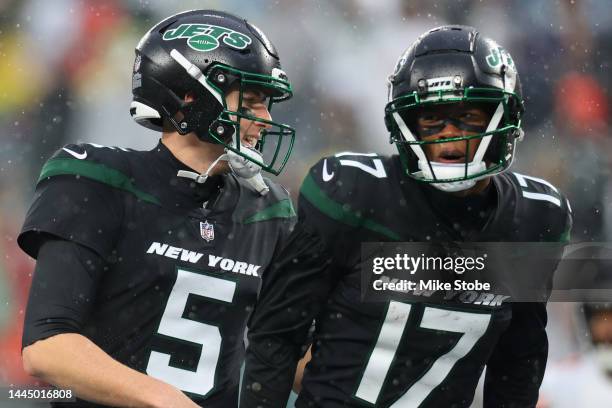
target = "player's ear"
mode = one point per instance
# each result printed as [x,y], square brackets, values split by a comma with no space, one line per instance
[189,97]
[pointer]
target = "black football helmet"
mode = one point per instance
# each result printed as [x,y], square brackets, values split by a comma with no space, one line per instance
[207,53]
[452,65]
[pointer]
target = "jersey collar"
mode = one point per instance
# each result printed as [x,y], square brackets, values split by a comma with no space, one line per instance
[180,192]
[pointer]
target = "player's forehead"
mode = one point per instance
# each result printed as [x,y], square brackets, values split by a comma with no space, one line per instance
[453,109]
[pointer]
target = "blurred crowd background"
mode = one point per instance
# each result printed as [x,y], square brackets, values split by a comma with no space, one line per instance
[65,76]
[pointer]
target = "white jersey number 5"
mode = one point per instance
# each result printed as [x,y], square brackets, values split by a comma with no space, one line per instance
[174,325]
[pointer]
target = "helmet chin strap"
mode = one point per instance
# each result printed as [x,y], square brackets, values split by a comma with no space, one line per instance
[246,169]
[201,178]
[450,170]
[240,166]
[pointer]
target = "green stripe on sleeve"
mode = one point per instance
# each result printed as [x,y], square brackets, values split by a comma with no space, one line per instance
[94,171]
[566,236]
[281,209]
[341,212]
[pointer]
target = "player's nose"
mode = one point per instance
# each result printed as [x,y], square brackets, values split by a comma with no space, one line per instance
[449,130]
[264,114]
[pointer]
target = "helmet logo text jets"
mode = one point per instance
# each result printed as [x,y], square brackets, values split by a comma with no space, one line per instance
[499,56]
[80,156]
[205,37]
[326,175]
[440,84]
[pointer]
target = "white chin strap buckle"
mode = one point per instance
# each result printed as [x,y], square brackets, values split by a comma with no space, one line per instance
[443,171]
[246,169]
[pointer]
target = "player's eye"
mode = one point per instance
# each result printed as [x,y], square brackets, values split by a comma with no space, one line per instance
[255,97]
[246,111]
[472,119]
[429,120]
[429,124]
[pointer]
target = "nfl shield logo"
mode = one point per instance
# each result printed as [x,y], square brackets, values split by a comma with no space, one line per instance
[207,231]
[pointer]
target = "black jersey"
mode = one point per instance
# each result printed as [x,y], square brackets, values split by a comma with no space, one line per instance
[183,260]
[396,354]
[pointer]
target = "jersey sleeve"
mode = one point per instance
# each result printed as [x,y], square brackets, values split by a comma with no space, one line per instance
[566,234]
[516,367]
[346,192]
[561,226]
[544,207]
[74,202]
[62,291]
[324,203]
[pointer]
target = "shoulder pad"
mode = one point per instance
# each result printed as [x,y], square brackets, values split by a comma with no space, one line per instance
[540,190]
[277,191]
[557,210]
[346,188]
[107,165]
[113,157]
[276,205]
[371,164]
[341,176]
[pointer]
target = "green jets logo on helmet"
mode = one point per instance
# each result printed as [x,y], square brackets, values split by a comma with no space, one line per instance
[206,37]
[499,56]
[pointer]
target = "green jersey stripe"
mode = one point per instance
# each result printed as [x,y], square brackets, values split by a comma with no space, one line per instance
[94,171]
[339,212]
[281,209]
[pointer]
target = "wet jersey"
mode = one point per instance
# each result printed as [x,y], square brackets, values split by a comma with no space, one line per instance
[183,261]
[396,354]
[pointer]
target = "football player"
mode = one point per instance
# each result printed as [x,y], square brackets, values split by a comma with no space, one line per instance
[454,113]
[149,262]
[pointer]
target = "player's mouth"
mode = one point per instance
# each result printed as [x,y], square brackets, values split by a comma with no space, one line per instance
[250,141]
[451,156]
